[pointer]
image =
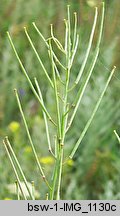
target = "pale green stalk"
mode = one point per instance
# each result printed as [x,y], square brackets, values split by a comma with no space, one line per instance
[17,190]
[57,170]
[14,168]
[40,34]
[45,119]
[117,136]
[57,42]
[69,32]
[75,31]
[28,79]
[66,35]
[57,72]
[56,94]
[92,115]
[88,50]
[75,49]
[19,166]
[65,107]
[33,189]
[38,57]
[82,90]
[30,139]
[47,196]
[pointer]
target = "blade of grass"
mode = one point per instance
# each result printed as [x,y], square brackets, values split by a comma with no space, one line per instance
[92,116]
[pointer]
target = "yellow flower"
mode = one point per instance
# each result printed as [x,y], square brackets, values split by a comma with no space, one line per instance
[14,126]
[7,198]
[28,149]
[70,162]
[47,160]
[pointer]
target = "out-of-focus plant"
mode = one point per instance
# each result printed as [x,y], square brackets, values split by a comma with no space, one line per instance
[66,111]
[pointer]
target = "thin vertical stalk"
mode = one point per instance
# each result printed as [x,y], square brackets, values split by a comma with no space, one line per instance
[56,93]
[38,57]
[17,190]
[33,189]
[30,139]
[89,47]
[64,117]
[14,169]
[75,31]
[96,53]
[45,119]
[57,42]
[47,44]
[116,134]
[19,166]
[82,90]
[92,115]
[28,79]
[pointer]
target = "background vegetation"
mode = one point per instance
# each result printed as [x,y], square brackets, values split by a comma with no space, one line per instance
[95,171]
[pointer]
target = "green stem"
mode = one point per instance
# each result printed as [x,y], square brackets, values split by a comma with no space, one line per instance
[30,139]
[28,79]
[82,89]
[64,117]
[45,119]
[19,166]
[117,136]
[14,169]
[56,94]
[38,57]
[17,190]
[40,34]
[92,116]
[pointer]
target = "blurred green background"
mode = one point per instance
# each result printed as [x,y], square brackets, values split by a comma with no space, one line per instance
[95,170]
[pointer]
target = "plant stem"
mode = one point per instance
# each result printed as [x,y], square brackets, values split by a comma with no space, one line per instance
[45,119]
[14,169]
[30,139]
[92,115]
[38,57]
[28,79]
[117,136]
[89,47]
[19,166]
[40,34]
[64,117]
